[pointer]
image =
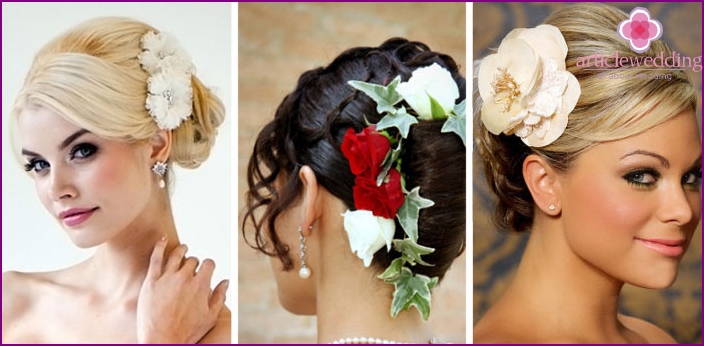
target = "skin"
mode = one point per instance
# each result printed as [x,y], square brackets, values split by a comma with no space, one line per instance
[579,255]
[339,281]
[138,286]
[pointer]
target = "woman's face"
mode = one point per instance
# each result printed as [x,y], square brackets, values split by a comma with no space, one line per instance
[94,187]
[630,206]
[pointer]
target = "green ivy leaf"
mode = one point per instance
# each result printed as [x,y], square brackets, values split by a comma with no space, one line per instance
[412,290]
[436,109]
[393,271]
[408,213]
[412,251]
[389,160]
[385,96]
[457,122]
[400,120]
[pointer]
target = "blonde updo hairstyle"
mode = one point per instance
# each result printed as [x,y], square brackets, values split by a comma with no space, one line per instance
[91,75]
[608,109]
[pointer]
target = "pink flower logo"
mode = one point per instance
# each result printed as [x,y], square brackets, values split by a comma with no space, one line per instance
[640,30]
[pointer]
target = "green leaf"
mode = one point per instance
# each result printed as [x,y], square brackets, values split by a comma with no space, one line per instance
[436,109]
[412,290]
[389,160]
[393,271]
[408,213]
[412,251]
[457,122]
[385,96]
[400,120]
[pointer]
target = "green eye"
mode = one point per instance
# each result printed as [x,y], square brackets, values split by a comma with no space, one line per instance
[642,177]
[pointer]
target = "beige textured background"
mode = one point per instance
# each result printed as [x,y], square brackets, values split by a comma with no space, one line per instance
[277,42]
[496,255]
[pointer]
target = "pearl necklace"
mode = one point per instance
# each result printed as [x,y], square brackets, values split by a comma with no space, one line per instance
[364,340]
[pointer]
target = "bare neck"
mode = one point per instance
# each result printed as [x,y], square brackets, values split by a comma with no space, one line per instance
[118,267]
[352,302]
[558,296]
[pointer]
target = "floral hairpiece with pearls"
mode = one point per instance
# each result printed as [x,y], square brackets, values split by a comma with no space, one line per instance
[380,192]
[170,94]
[525,87]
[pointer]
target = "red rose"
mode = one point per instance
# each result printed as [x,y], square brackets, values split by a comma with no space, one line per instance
[382,200]
[365,151]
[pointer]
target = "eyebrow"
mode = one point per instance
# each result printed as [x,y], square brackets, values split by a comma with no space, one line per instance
[661,158]
[65,143]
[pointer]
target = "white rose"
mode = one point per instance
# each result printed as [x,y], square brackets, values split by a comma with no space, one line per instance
[428,81]
[368,233]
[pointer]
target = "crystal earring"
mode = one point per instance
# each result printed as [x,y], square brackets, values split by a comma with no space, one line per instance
[159,169]
[552,207]
[304,273]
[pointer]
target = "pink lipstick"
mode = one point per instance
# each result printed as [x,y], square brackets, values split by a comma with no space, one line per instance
[76,216]
[667,247]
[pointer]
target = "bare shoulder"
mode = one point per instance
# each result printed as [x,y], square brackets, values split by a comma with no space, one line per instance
[490,330]
[16,292]
[222,332]
[18,298]
[652,333]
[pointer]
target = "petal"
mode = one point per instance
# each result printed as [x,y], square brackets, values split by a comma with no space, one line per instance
[571,95]
[548,42]
[433,80]
[488,68]
[521,62]
[494,120]
[365,233]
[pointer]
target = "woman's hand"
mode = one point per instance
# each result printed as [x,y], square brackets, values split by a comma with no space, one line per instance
[176,304]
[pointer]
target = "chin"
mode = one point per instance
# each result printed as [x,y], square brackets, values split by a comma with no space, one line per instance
[657,281]
[83,242]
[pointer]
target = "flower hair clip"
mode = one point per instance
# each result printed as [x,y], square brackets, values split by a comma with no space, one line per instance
[525,87]
[170,94]
[380,193]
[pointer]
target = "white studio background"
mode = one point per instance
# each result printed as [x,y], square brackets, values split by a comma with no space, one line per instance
[31,239]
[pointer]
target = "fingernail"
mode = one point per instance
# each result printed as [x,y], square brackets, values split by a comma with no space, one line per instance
[227,284]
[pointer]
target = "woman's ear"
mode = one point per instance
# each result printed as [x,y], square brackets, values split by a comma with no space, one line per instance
[311,209]
[543,183]
[160,144]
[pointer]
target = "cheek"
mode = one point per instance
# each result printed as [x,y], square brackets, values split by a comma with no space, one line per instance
[607,207]
[119,179]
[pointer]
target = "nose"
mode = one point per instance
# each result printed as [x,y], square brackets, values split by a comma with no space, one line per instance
[61,184]
[681,206]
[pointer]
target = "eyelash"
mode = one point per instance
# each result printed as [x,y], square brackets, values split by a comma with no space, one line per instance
[80,151]
[635,178]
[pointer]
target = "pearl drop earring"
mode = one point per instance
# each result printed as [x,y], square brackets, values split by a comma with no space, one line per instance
[304,272]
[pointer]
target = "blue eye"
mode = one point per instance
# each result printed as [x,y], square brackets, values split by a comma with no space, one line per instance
[36,165]
[642,177]
[82,151]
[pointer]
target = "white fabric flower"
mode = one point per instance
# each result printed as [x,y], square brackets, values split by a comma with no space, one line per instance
[368,233]
[428,81]
[170,94]
[170,99]
[525,87]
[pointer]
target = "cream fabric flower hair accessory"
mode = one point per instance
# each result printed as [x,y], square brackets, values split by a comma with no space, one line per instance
[525,87]
[170,95]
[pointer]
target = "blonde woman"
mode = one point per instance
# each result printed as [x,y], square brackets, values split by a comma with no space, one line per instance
[107,108]
[605,173]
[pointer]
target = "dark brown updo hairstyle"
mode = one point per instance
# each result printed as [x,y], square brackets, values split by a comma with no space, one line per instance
[309,127]
[607,109]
